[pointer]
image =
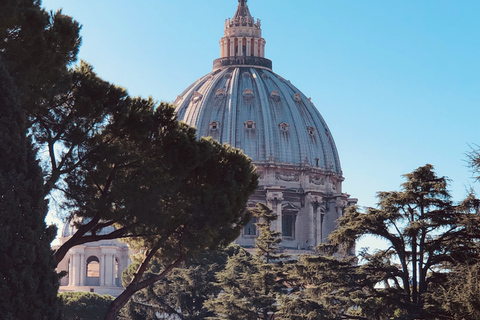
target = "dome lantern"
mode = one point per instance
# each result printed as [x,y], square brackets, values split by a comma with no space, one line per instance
[242,43]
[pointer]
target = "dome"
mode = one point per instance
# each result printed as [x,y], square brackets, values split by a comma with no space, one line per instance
[258,111]
[242,102]
[70,227]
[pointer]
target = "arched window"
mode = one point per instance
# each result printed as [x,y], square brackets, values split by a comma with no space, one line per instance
[284,126]
[250,125]
[93,271]
[214,125]
[93,267]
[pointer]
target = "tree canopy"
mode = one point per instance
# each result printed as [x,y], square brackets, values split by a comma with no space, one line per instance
[426,232]
[84,305]
[28,281]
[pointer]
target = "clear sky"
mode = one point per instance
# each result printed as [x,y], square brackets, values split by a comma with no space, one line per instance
[398,82]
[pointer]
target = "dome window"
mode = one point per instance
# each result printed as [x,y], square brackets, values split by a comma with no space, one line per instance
[228,75]
[197,96]
[214,125]
[220,94]
[265,76]
[284,127]
[246,75]
[275,95]
[250,125]
[297,97]
[311,131]
[248,94]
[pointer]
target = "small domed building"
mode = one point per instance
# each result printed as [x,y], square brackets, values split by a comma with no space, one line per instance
[243,103]
[94,266]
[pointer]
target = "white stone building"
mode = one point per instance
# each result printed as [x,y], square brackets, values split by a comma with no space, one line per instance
[94,266]
[242,102]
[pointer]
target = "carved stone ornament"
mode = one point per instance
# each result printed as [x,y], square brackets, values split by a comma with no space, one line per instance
[287,177]
[197,96]
[248,94]
[317,180]
[275,95]
[220,94]
[275,197]
[297,97]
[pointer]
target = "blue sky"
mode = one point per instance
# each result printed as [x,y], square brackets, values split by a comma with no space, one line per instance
[398,82]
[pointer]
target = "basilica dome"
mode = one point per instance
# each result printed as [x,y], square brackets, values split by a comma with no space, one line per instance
[243,103]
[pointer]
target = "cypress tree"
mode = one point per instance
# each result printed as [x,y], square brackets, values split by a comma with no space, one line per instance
[28,281]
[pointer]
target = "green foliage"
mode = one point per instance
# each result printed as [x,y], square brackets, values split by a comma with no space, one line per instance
[183,291]
[28,281]
[36,47]
[459,295]
[474,161]
[250,284]
[84,305]
[427,233]
[268,240]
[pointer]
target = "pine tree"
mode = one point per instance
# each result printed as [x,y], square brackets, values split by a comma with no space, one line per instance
[183,292]
[252,284]
[428,235]
[28,281]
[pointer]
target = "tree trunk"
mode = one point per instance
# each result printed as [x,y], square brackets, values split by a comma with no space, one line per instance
[137,285]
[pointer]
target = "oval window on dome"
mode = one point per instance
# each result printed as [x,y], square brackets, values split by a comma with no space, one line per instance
[246,75]
[250,125]
[214,125]
[275,95]
[248,94]
[228,75]
[311,131]
[284,126]
[297,97]
[220,93]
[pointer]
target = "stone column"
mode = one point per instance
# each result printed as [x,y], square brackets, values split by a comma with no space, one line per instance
[249,46]
[262,48]
[76,265]
[83,269]
[225,47]
[109,256]
[73,268]
[240,47]
[102,269]
[255,47]
[274,201]
[232,47]
[313,202]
